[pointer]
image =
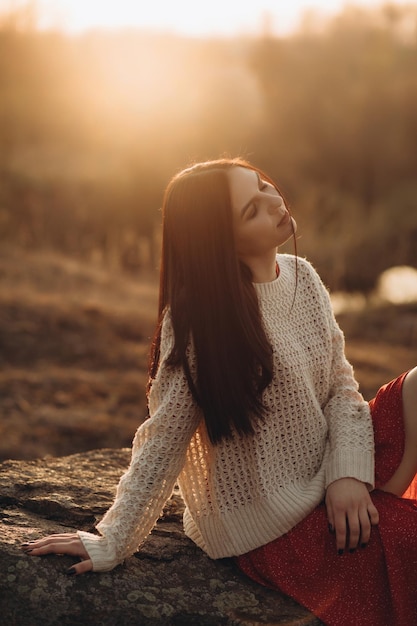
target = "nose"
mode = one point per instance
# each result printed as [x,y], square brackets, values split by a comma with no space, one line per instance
[275,205]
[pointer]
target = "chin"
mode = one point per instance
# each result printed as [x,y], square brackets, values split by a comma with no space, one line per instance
[292,229]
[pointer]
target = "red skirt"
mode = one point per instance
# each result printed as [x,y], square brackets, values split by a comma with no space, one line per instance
[374,586]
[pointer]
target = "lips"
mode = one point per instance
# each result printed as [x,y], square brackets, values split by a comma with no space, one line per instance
[284,220]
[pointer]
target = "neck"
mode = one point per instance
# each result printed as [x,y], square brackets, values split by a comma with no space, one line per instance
[264,270]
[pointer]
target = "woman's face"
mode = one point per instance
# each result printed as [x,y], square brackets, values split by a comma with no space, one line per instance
[261,221]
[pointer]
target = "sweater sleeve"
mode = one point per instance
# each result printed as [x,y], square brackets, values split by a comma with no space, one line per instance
[347,414]
[158,455]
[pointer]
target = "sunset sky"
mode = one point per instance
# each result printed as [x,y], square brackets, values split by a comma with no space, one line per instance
[213,17]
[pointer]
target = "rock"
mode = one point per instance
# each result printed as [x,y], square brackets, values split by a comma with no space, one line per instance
[169,582]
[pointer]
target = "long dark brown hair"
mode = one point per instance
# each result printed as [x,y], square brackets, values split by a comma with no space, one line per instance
[212,301]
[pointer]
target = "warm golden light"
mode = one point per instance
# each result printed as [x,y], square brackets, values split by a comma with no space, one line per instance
[102,101]
[217,17]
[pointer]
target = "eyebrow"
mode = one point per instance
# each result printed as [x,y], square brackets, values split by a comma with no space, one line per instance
[249,203]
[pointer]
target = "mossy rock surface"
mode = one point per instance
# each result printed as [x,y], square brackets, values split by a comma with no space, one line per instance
[170,582]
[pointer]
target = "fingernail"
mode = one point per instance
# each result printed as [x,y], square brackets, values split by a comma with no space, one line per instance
[352,550]
[331,529]
[340,551]
[363,545]
[70,571]
[25,545]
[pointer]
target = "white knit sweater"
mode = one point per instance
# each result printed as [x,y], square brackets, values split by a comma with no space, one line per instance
[247,491]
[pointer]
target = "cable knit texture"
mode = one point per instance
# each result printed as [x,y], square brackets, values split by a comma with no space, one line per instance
[248,490]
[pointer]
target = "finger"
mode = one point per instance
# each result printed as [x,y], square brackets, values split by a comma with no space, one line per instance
[69,546]
[373,514]
[52,538]
[80,568]
[330,518]
[354,530]
[341,532]
[61,538]
[365,523]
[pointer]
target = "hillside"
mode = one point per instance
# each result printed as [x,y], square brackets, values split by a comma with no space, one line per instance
[73,353]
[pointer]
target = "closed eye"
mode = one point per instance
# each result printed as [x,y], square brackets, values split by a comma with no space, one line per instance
[268,188]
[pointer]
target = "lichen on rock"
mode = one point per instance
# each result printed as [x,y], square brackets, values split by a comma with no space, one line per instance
[169,582]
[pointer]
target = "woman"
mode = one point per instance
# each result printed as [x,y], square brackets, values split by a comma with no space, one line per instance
[255,411]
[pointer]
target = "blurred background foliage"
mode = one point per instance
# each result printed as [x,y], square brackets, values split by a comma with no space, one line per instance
[93,126]
[91,129]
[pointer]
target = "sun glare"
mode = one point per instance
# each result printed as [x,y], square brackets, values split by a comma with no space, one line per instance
[217,17]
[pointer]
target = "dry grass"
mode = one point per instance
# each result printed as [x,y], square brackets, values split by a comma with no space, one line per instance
[73,350]
[381,342]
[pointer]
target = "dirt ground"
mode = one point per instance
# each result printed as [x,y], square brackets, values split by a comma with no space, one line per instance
[74,342]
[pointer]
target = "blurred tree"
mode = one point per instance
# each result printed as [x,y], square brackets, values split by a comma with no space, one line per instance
[341,106]
[92,127]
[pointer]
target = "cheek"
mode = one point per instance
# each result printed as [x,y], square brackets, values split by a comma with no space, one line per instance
[250,242]
[244,237]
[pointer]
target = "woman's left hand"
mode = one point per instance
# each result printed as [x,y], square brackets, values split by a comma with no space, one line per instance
[66,543]
[351,513]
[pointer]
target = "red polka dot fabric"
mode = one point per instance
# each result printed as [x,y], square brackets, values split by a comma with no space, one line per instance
[373,586]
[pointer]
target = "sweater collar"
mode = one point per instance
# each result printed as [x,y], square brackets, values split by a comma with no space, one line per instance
[274,286]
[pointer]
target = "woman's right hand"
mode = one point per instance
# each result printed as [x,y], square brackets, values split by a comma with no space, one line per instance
[66,543]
